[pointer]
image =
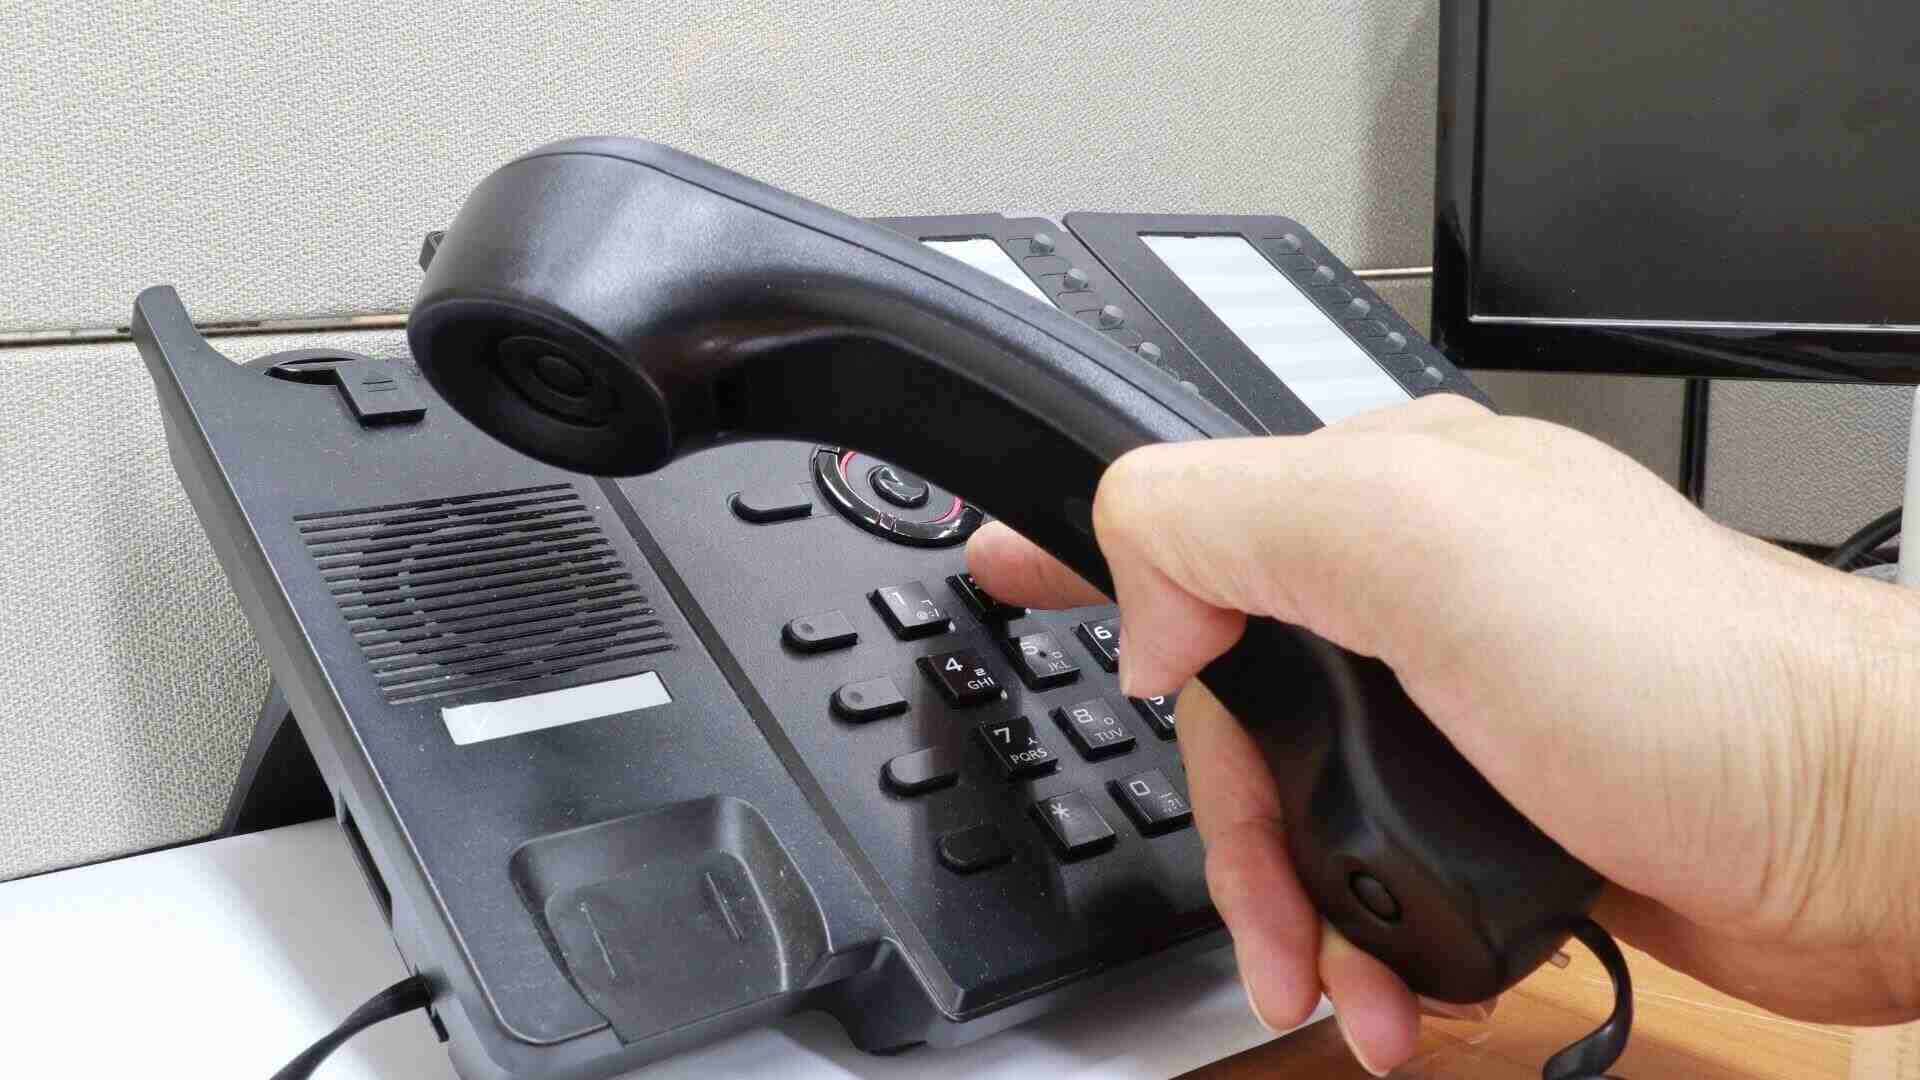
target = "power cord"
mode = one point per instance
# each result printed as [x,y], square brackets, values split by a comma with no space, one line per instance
[1591,1057]
[1587,1059]
[399,999]
[1871,536]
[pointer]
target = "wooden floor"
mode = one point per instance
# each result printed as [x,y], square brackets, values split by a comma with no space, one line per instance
[1681,1029]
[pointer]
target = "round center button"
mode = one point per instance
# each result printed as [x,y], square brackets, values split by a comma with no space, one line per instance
[898,486]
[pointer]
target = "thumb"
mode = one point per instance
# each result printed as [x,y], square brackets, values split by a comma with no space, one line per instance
[1310,530]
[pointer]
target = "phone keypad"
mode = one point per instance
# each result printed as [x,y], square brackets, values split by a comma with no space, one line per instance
[1094,727]
[1015,744]
[1074,825]
[910,611]
[1102,639]
[1043,664]
[1021,747]
[962,676]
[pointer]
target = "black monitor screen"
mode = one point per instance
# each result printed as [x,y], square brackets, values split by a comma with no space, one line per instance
[1685,162]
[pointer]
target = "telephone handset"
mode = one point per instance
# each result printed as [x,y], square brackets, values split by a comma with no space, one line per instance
[608,305]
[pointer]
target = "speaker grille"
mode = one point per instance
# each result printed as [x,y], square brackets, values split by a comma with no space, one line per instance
[450,596]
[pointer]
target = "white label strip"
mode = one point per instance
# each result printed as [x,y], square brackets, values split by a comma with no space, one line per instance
[986,255]
[1323,367]
[485,720]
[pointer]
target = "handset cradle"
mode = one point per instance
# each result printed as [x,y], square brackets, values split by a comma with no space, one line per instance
[607,305]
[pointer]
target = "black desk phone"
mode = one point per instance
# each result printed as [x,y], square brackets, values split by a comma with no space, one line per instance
[633,763]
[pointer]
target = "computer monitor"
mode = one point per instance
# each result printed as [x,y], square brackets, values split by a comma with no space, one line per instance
[1687,187]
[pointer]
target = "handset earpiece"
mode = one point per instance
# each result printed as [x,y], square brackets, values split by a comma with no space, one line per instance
[607,305]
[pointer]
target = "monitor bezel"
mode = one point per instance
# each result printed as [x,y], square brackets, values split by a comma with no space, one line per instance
[1720,350]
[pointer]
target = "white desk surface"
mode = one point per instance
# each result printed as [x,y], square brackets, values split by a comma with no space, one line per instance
[224,959]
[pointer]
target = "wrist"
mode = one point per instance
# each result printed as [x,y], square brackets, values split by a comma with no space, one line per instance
[1876,785]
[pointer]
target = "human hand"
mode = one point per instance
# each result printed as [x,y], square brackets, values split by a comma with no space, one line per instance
[1724,730]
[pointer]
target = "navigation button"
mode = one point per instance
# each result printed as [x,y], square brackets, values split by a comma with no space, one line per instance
[898,486]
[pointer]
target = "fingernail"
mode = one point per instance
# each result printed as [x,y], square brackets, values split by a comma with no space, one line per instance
[1254,1004]
[1355,1050]
[1447,1010]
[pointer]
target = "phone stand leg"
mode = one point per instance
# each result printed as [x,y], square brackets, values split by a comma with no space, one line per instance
[278,784]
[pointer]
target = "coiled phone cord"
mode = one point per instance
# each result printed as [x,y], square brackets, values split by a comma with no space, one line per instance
[1591,1057]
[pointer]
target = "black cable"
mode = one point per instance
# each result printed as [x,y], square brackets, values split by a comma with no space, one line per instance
[1693,440]
[1591,1057]
[1871,536]
[399,999]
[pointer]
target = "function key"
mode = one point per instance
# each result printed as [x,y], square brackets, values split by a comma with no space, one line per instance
[1042,662]
[1102,639]
[868,700]
[1157,712]
[910,610]
[962,676]
[968,851]
[1152,801]
[921,771]
[983,606]
[1094,726]
[764,506]
[819,633]
[1018,749]
[1074,826]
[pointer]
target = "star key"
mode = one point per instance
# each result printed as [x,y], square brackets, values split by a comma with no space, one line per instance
[1075,827]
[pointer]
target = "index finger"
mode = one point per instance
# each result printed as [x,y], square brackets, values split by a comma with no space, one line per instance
[1014,570]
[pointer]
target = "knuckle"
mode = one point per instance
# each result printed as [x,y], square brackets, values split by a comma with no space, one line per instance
[1125,491]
